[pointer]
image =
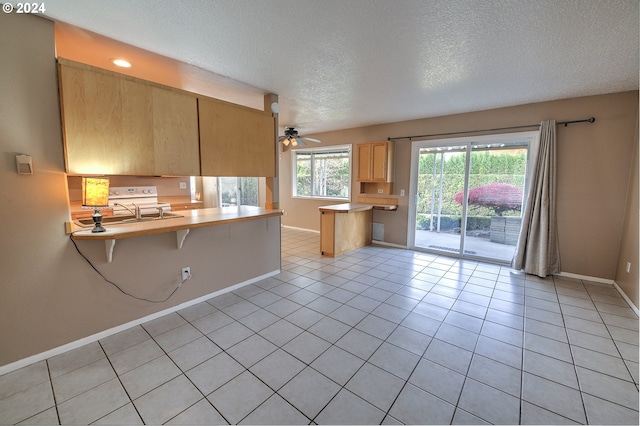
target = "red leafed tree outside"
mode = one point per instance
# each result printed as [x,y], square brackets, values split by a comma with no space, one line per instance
[500,197]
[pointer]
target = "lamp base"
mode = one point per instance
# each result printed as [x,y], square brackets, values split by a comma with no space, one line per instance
[97,219]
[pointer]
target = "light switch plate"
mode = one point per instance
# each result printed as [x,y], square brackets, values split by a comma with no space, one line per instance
[24,164]
[183,185]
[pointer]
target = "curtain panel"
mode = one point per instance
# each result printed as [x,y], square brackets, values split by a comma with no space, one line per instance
[537,251]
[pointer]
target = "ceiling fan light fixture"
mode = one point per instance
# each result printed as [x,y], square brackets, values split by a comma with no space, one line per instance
[292,138]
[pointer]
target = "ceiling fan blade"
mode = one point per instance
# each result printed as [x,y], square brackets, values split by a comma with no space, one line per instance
[281,138]
[301,142]
[311,139]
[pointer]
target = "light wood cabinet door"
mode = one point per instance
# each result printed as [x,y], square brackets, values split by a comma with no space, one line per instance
[375,162]
[92,122]
[364,162]
[117,124]
[235,140]
[160,131]
[380,162]
[137,125]
[175,133]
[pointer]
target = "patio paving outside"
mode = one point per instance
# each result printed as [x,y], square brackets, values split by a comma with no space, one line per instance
[474,246]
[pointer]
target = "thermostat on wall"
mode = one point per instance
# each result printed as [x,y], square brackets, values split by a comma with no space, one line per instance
[24,164]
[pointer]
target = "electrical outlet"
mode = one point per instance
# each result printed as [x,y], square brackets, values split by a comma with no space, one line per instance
[628,267]
[183,185]
[186,273]
[380,191]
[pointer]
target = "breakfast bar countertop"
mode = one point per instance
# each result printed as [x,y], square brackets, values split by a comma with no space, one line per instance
[345,207]
[191,219]
[355,207]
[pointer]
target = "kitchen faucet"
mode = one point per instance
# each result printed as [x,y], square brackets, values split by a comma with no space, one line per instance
[135,213]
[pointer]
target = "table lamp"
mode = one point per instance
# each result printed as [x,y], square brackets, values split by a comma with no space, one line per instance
[95,193]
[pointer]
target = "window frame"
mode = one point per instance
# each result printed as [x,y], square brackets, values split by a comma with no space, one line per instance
[527,139]
[348,148]
[239,191]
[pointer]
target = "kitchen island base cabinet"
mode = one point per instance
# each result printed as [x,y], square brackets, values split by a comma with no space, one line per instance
[343,231]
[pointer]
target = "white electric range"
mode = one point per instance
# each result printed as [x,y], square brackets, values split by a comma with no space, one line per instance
[145,197]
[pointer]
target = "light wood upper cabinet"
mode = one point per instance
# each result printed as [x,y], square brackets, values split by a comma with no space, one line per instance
[175,133]
[235,140]
[138,146]
[375,162]
[364,162]
[92,121]
[116,124]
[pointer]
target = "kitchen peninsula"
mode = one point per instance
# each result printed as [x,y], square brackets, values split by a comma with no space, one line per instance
[180,225]
[346,227]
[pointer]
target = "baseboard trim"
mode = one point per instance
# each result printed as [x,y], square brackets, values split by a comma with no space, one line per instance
[106,333]
[300,229]
[626,298]
[383,243]
[602,281]
[585,278]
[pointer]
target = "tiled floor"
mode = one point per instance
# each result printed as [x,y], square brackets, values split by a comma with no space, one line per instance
[378,335]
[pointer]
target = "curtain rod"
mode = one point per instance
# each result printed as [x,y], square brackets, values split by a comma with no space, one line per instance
[586,120]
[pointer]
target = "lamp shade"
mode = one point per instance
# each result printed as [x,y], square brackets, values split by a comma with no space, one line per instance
[95,192]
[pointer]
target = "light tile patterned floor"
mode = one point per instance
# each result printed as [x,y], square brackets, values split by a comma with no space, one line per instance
[378,335]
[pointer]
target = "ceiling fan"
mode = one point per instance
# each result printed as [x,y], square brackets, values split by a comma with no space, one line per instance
[292,138]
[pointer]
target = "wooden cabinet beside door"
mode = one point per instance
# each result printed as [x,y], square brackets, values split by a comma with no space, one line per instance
[375,162]
[116,124]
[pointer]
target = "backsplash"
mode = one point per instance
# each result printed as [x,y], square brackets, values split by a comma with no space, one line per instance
[167,186]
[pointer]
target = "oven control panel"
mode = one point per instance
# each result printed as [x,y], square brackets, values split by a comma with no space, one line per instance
[133,192]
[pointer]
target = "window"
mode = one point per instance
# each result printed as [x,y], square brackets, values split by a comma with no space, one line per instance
[238,191]
[322,172]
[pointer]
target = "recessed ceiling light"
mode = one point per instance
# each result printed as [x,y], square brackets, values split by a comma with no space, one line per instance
[121,63]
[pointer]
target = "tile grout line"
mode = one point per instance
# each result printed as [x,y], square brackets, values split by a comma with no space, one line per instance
[332,345]
[473,353]
[571,347]
[247,369]
[121,384]
[390,259]
[184,373]
[571,351]
[53,392]
[564,326]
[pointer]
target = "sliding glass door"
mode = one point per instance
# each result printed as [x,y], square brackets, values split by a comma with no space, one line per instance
[468,195]
[238,191]
[440,175]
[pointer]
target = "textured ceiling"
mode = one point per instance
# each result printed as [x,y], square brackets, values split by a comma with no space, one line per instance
[338,64]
